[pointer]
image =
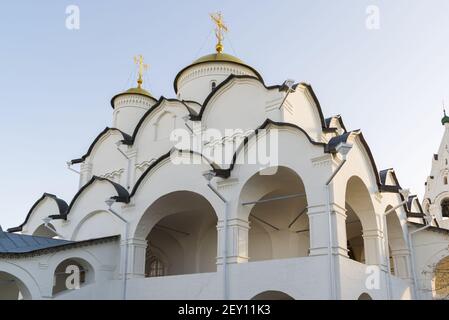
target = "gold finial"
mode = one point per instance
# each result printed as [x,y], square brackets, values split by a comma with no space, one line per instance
[142,68]
[217,18]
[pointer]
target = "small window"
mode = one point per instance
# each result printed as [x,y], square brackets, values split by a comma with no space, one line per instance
[445,161]
[157,268]
[445,180]
[445,208]
[213,85]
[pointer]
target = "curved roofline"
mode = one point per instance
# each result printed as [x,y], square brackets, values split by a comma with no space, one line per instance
[62,207]
[315,100]
[151,110]
[224,83]
[227,172]
[165,156]
[279,87]
[122,195]
[175,82]
[344,138]
[125,136]
[129,93]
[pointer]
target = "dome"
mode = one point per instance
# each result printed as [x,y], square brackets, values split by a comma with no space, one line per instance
[222,57]
[136,90]
[218,57]
[445,119]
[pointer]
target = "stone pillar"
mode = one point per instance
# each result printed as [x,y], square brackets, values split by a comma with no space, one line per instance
[401,263]
[136,257]
[238,230]
[374,248]
[340,243]
[319,230]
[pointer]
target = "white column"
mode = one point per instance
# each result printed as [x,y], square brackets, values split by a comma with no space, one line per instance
[374,248]
[136,257]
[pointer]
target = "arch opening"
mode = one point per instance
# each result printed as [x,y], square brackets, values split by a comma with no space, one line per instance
[72,274]
[181,235]
[397,246]
[278,222]
[365,296]
[361,226]
[11,288]
[272,295]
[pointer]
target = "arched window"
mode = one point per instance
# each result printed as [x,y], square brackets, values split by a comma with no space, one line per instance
[445,207]
[213,85]
[156,267]
[72,274]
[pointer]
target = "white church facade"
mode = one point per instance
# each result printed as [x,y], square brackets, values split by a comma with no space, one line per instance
[158,215]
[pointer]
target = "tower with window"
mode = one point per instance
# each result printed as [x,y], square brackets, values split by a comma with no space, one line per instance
[436,198]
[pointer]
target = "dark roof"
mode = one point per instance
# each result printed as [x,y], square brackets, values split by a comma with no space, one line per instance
[335,141]
[20,243]
[62,207]
[14,245]
[383,178]
[327,121]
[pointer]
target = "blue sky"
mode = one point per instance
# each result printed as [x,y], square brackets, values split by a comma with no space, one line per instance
[56,84]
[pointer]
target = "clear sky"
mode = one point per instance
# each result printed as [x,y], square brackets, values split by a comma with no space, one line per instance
[56,84]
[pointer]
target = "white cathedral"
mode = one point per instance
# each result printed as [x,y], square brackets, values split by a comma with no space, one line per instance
[154,218]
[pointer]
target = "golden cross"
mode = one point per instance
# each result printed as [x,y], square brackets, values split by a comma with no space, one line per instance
[142,68]
[217,18]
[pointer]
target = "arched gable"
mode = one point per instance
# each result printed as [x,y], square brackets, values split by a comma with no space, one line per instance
[237,103]
[152,135]
[266,125]
[302,108]
[92,194]
[45,206]
[99,139]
